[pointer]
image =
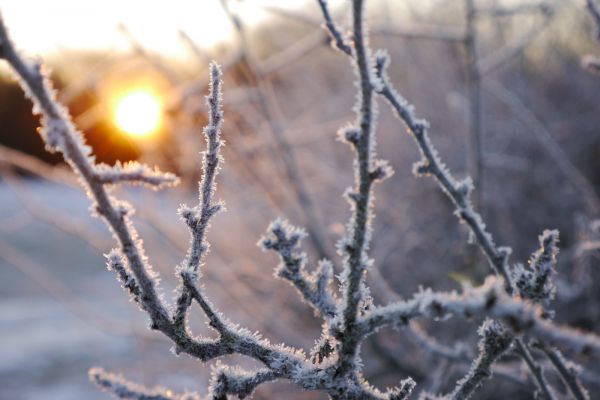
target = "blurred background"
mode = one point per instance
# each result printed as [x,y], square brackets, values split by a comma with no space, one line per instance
[501,83]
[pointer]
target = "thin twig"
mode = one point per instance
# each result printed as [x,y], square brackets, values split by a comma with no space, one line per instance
[474,90]
[537,370]
[567,371]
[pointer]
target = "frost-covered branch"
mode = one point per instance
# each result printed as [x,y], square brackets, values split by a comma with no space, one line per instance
[534,282]
[60,135]
[198,218]
[495,341]
[404,391]
[124,389]
[355,245]
[431,164]
[135,173]
[227,380]
[116,263]
[490,300]
[284,239]
[337,37]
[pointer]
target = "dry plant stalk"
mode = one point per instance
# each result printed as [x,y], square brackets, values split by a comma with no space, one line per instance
[512,301]
[591,62]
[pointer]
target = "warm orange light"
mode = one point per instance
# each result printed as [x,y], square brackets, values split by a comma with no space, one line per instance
[138,112]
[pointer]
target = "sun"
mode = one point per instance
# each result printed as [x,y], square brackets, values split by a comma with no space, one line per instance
[138,112]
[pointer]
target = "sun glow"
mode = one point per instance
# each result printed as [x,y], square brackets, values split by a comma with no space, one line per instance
[138,112]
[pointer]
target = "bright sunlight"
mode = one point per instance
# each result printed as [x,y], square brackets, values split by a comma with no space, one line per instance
[138,112]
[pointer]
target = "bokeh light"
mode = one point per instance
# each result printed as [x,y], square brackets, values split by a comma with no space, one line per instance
[138,112]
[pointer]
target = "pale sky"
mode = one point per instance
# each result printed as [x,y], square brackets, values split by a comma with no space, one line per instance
[48,26]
